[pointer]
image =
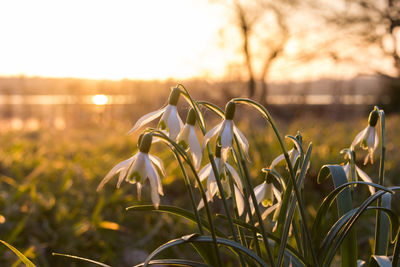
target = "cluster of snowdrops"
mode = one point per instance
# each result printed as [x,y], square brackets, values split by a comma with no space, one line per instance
[267,222]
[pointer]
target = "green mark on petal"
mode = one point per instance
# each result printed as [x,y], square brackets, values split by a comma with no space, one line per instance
[183,144]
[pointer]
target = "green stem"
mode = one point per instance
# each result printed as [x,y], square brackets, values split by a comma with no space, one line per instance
[380,248]
[203,195]
[254,200]
[266,114]
[189,188]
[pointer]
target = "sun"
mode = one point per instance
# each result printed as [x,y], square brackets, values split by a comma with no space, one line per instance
[100,99]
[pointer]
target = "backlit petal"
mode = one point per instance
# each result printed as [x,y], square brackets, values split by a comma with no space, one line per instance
[242,141]
[205,172]
[174,123]
[195,148]
[158,162]
[123,165]
[152,174]
[358,138]
[276,161]
[146,119]
[365,178]
[210,134]
[239,200]
[235,176]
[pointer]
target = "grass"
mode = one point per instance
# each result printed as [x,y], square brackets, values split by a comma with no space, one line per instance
[49,202]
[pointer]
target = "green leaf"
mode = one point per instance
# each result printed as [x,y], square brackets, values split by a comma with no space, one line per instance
[380,261]
[339,233]
[328,201]
[175,211]
[205,239]
[81,259]
[344,204]
[21,256]
[382,235]
[290,252]
[289,218]
[175,262]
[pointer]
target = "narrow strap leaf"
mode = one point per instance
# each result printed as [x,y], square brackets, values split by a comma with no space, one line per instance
[21,256]
[81,258]
[175,262]
[344,204]
[204,239]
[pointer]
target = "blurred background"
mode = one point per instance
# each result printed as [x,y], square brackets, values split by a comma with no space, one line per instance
[76,75]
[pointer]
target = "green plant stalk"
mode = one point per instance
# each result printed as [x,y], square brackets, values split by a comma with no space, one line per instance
[254,200]
[203,195]
[189,188]
[236,211]
[225,204]
[380,244]
[247,203]
[396,250]
[266,114]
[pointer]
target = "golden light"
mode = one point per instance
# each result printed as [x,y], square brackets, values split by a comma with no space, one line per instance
[100,99]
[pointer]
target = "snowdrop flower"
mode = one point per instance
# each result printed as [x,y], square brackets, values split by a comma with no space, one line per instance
[137,169]
[225,132]
[293,155]
[170,120]
[212,187]
[188,140]
[368,138]
[265,194]
[360,173]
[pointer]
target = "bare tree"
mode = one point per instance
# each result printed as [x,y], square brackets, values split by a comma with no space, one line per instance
[264,33]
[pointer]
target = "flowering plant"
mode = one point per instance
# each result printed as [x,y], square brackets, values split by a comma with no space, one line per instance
[280,231]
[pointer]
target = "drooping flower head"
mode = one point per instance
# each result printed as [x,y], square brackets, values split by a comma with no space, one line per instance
[265,194]
[170,120]
[212,187]
[138,168]
[368,138]
[358,172]
[226,131]
[187,138]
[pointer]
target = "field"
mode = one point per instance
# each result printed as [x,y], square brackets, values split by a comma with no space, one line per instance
[49,203]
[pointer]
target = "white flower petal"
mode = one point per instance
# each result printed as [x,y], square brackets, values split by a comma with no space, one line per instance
[155,198]
[146,119]
[152,174]
[174,123]
[123,165]
[139,166]
[259,192]
[242,141]
[269,211]
[226,135]
[212,186]
[371,137]
[376,141]
[183,134]
[201,204]
[358,138]
[158,162]
[235,176]
[210,134]
[195,148]
[239,200]
[205,172]
[365,178]
[276,161]
[277,193]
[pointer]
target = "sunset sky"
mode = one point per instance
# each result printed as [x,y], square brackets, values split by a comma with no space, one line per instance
[154,39]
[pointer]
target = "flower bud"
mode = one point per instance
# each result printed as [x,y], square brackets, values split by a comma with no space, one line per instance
[174,96]
[230,110]
[140,140]
[145,143]
[373,117]
[191,117]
